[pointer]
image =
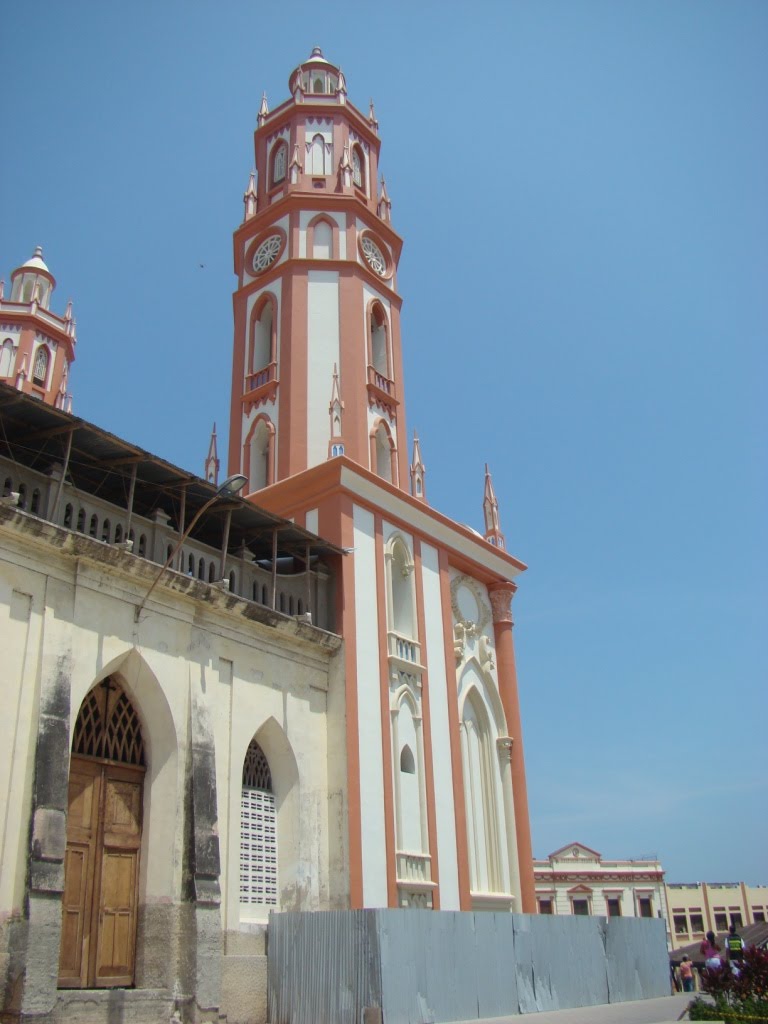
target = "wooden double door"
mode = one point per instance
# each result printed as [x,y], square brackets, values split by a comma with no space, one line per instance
[98,939]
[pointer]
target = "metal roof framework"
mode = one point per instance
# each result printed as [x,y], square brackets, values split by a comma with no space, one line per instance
[100,464]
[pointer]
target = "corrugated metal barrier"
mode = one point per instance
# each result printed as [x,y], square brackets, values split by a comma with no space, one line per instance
[422,966]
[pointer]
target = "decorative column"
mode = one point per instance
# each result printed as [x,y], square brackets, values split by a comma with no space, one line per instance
[501,604]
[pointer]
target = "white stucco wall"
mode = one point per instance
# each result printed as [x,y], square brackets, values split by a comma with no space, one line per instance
[369,713]
[445,812]
[322,354]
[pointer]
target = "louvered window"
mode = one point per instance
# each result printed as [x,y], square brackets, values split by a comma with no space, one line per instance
[258,832]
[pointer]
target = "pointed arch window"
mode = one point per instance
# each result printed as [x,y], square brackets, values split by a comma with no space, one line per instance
[108,727]
[279,162]
[358,167]
[40,369]
[260,454]
[322,241]
[378,338]
[481,797]
[258,833]
[6,358]
[383,453]
[401,591]
[319,156]
[263,340]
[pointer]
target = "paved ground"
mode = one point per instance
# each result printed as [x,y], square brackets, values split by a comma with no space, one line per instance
[643,1011]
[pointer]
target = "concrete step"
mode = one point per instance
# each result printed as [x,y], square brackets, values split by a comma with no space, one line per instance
[105,1006]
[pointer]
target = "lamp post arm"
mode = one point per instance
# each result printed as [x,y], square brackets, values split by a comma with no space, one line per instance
[173,554]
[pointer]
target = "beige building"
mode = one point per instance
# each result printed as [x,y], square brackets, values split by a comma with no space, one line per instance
[577,880]
[699,907]
[206,779]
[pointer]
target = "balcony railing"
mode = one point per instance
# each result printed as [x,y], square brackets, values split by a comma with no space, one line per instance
[404,649]
[261,377]
[378,380]
[414,867]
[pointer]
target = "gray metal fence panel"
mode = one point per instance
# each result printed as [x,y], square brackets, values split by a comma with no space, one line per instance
[422,967]
[638,965]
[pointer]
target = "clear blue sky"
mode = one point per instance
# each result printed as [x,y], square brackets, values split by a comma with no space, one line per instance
[581,187]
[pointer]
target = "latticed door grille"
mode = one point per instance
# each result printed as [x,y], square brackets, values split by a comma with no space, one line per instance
[258,832]
[108,727]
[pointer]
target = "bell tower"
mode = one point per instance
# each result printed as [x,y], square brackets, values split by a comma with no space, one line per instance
[316,309]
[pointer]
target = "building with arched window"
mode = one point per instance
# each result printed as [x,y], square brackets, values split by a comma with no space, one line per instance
[215,714]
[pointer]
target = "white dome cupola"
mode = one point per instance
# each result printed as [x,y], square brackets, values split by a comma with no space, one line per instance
[317,77]
[33,281]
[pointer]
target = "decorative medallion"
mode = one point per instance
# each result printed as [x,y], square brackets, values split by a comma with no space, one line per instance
[374,256]
[267,253]
[468,605]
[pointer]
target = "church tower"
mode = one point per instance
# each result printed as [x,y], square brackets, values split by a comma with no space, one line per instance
[317,310]
[36,346]
[425,744]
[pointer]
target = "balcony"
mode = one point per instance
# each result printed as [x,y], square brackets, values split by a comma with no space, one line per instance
[381,391]
[405,651]
[414,868]
[260,386]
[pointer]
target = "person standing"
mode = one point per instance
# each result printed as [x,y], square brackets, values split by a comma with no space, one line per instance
[734,949]
[686,973]
[710,950]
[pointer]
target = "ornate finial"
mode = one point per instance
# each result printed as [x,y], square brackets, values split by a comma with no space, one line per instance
[249,197]
[418,472]
[68,311]
[341,88]
[263,110]
[385,204]
[336,411]
[212,460]
[372,118]
[298,84]
[493,532]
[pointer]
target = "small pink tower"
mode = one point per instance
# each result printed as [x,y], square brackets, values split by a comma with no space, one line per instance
[36,345]
[418,472]
[336,412]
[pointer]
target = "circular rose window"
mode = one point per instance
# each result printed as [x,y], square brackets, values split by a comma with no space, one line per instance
[374,256]
[267,253]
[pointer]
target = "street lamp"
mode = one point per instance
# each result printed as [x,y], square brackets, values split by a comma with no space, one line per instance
[231,486]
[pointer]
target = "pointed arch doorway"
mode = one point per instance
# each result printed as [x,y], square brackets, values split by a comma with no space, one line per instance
[104,825]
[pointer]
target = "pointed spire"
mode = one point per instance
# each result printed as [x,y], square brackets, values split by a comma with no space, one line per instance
[212,461]
[345,167]
[418,472]
[341,88]
[2,289]
[385,204]
[68,310]
[263,110]
[493,532]
[372,119]
[294,167]
[249,197]
[298,85]
[336,412]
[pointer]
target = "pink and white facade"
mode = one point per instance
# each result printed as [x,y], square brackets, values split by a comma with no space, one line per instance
[436,808]
[36,346]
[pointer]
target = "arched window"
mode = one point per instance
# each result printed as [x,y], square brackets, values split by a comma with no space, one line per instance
[34,506]
[201,569]
[258,834]
[481,797]
[279,160]
[68,516]
[290,604]
[318,85]
[6,358]
[81,521]
[378,341]
[7,486]
[232,582]
[358,167]
[383,453]
[322,240]
[411,833]
[105,530]
[40,369]
[262,337]
[264,594]
[212,572]
[318,162]
[260,468]
[402,595]
[93,529]
[118,533]
[142,546]
[191,565]
[22,502]
[282,603]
